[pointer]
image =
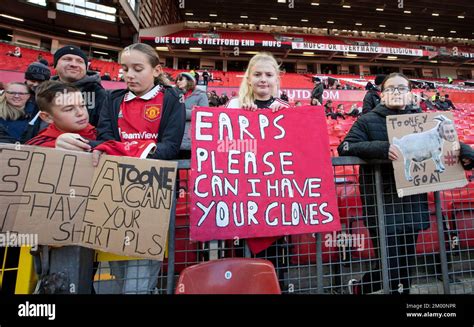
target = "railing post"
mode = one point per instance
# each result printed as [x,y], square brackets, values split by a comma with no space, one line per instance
[381,223]
[73,266]
[247,252]
[171,246]
[319,263]
[442,246]
[213,250]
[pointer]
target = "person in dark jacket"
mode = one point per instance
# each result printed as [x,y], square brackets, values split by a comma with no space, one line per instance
[328,108]
[338,113]
[404,217]
[448,100]
[318,90]
[213,99]
[36,74]
[223,99]
[14,112]
[442,104]
[354,111]
[71,65]
[372,97]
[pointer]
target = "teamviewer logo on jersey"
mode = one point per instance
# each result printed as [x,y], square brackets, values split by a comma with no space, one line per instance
[152,112]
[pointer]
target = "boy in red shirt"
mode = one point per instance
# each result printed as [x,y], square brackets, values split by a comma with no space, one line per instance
[63,107]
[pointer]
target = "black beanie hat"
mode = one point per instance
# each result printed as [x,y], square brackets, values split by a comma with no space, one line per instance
[37,72]
[69,49]
[379,79]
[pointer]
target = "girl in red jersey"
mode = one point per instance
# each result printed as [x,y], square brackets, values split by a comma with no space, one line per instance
[148,110]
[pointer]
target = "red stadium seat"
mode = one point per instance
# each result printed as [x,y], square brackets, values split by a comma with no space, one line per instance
[303,250]
[469,139]
[229,276]
[463,215]
[367,250]
[349,202]
[428,240]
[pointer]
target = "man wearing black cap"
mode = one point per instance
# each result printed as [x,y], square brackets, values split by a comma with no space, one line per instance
[71,65]
[372,97]
[318,90]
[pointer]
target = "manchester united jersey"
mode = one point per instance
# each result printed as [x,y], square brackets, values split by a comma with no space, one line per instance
[139,117]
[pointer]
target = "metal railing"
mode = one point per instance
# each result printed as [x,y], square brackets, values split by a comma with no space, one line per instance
[366,256]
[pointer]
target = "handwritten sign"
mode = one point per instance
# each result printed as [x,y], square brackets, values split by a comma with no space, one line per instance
[428,149]
[260,174]
[122,206]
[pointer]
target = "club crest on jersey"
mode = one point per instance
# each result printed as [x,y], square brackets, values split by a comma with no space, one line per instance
[152,112]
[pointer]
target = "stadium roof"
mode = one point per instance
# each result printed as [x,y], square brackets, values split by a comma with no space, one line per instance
[416,17]
[103,23]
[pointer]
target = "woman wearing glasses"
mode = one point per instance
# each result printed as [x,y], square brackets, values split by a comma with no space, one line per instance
[404,217]
[14,116]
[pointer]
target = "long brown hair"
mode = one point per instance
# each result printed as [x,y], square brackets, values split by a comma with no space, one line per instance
[153,60]
[190,85]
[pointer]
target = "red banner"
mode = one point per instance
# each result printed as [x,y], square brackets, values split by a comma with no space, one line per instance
[260,174]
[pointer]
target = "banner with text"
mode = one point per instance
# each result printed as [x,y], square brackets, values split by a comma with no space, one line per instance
[122,206]
[428,150]
[259,174]
[357,49]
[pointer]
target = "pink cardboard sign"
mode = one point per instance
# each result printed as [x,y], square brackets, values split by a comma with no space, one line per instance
[261,174]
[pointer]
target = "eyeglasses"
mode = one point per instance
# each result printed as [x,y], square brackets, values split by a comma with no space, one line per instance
[17,93]
[400,89]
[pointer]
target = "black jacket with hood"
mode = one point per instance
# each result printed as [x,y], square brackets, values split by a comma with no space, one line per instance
[368,139]
[371,100]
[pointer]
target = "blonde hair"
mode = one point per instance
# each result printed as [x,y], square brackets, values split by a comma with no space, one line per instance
[153,60]
[8,112]
[246,95]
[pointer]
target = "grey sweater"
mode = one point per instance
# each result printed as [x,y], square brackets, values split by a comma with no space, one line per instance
[199,99]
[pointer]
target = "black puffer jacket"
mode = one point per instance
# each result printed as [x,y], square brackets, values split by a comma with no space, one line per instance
[371,100]
[368,139]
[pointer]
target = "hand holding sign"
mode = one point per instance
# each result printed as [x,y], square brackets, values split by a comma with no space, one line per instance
[122,206]
[428,153]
